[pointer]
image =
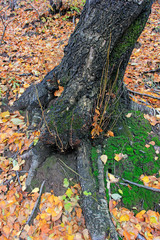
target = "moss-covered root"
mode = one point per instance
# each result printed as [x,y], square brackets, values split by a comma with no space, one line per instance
[94,205]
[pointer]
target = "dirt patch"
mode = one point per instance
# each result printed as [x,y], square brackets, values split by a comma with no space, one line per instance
[54,170]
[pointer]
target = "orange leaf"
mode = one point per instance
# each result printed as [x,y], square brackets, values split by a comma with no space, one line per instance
[97,111]
[126,235]
[59,92]
[147,145]
[152,143]
[7,230]
[140,215]
[110,134]
[78,212]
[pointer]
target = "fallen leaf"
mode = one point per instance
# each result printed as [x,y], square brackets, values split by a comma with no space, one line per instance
[147,145]
[112,178]
[85,234]
[152,143]
[145,179]
[17,121]
[35,190]
[104,158]
[59,92]
[116,196]
[119,156]
[16,168]
[129,115]
[124,218]
[109,134]
[140,215]
[5,114]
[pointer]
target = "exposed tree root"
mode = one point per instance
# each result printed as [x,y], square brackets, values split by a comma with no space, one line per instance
[95,207]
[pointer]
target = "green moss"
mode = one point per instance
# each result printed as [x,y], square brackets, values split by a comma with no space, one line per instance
[140,160]
[34,183]
[156,140]
[64,80]
[130,36]
[65,121]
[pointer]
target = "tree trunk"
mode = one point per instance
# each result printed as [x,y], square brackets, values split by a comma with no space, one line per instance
[13,4]
[55,6]
[105,27]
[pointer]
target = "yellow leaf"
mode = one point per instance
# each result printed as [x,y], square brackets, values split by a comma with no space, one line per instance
[120,191]
[138,226]
[16,168]
[50,210]
[119,156]
[112,178]
[104,158]
[145,179]
[5,114]
[23,187]
[35,190]
[26,85]
[129,115]
[44,215]
[70,237]
[153,219]
[124,218]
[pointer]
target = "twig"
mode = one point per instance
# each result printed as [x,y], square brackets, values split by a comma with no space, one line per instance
[60,147]
[140,100]
[141,186]
[152,71]
[35,10]
[5,183]
[4,29]
[71,169]
[140,237]
[25,74]
[143,94]
[35,206]
[17,173]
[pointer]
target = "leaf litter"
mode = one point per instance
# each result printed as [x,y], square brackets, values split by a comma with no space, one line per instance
[32,48]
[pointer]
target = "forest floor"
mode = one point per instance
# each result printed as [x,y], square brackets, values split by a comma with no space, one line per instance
[29,49]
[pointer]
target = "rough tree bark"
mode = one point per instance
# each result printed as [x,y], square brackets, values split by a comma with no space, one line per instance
[55,6]
[68,121]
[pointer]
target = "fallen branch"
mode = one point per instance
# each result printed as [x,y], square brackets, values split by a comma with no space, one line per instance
[143,94]
[140,237]
[17,173]
[139,185]
[152,71]
[4,29]
[36,204]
